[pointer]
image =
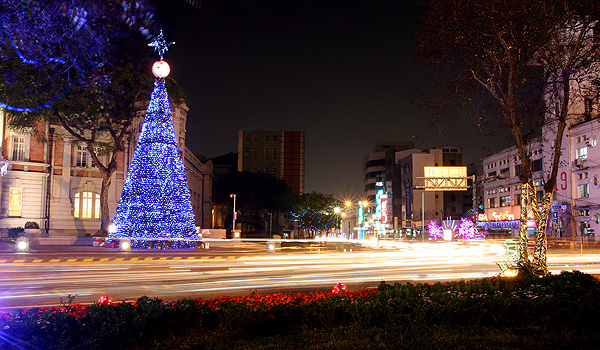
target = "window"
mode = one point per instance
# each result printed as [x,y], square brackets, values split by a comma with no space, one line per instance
[518,170]
[589,105]
[247,153]
[596,219]
[255,153]
[505,201]
[81,157]
[267,153]
[583,191]
[267,137]
[539,195]
[536,165]
[274,153]
[582,153]
[15,201]
[492,202]
[18,147]
[87,205]
[518,199]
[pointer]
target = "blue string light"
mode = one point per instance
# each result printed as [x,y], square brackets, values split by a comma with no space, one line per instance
[155,206]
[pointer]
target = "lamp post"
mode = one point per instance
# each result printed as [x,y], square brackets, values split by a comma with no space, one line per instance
[271,224]
[234,215]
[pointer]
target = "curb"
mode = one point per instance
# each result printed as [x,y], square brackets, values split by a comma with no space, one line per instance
[133,259]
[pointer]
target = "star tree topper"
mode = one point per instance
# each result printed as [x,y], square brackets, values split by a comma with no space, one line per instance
[160,45]
[160,69]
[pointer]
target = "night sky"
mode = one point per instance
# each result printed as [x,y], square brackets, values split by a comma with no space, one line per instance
[343,71]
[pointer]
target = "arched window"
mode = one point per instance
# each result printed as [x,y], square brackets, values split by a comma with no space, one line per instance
[87,205]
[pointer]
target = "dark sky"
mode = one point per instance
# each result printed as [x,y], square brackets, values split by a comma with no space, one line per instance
[342,71]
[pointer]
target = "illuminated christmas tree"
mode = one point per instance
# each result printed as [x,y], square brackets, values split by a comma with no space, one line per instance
[155,205]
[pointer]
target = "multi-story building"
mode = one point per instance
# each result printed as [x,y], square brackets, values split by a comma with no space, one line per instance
[374,164]
[575,208]
[56,184]
[501,195]
[390,177]
[280,153]
[419,206]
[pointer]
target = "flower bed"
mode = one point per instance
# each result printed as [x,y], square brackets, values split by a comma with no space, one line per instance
[533,311]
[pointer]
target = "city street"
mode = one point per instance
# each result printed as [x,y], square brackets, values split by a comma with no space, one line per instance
[47,277]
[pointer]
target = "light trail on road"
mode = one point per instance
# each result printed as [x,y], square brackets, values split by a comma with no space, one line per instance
[35,284]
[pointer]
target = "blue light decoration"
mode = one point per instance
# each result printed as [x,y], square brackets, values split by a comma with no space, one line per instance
[155,210]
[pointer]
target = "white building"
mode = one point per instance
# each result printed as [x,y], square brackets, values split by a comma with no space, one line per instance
[575,210]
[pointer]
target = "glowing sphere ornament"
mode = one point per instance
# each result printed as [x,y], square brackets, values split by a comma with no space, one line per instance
[161,69]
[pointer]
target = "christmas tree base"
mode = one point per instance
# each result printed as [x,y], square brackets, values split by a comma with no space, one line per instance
[160,244]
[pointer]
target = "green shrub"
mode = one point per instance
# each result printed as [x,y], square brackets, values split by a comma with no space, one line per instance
[557,311]
[32,224]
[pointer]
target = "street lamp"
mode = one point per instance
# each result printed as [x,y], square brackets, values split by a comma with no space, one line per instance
[271,224]
[234,215]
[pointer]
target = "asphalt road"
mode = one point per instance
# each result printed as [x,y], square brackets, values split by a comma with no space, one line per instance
[49,276]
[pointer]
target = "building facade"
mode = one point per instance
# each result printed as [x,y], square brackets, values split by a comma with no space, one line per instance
[51,178]
[392,205]
[575,208]
[279,153]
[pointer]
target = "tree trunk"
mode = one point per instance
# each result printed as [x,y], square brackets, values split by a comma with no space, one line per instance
[539,263]
[541,240]
[104,212]
[523,253]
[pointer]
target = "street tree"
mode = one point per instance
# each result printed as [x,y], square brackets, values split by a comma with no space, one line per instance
[82,65]
[315,212]
[529,58]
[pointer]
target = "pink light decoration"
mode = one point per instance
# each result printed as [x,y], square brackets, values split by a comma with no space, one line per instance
[435,230]
[339,288]
[466,229]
